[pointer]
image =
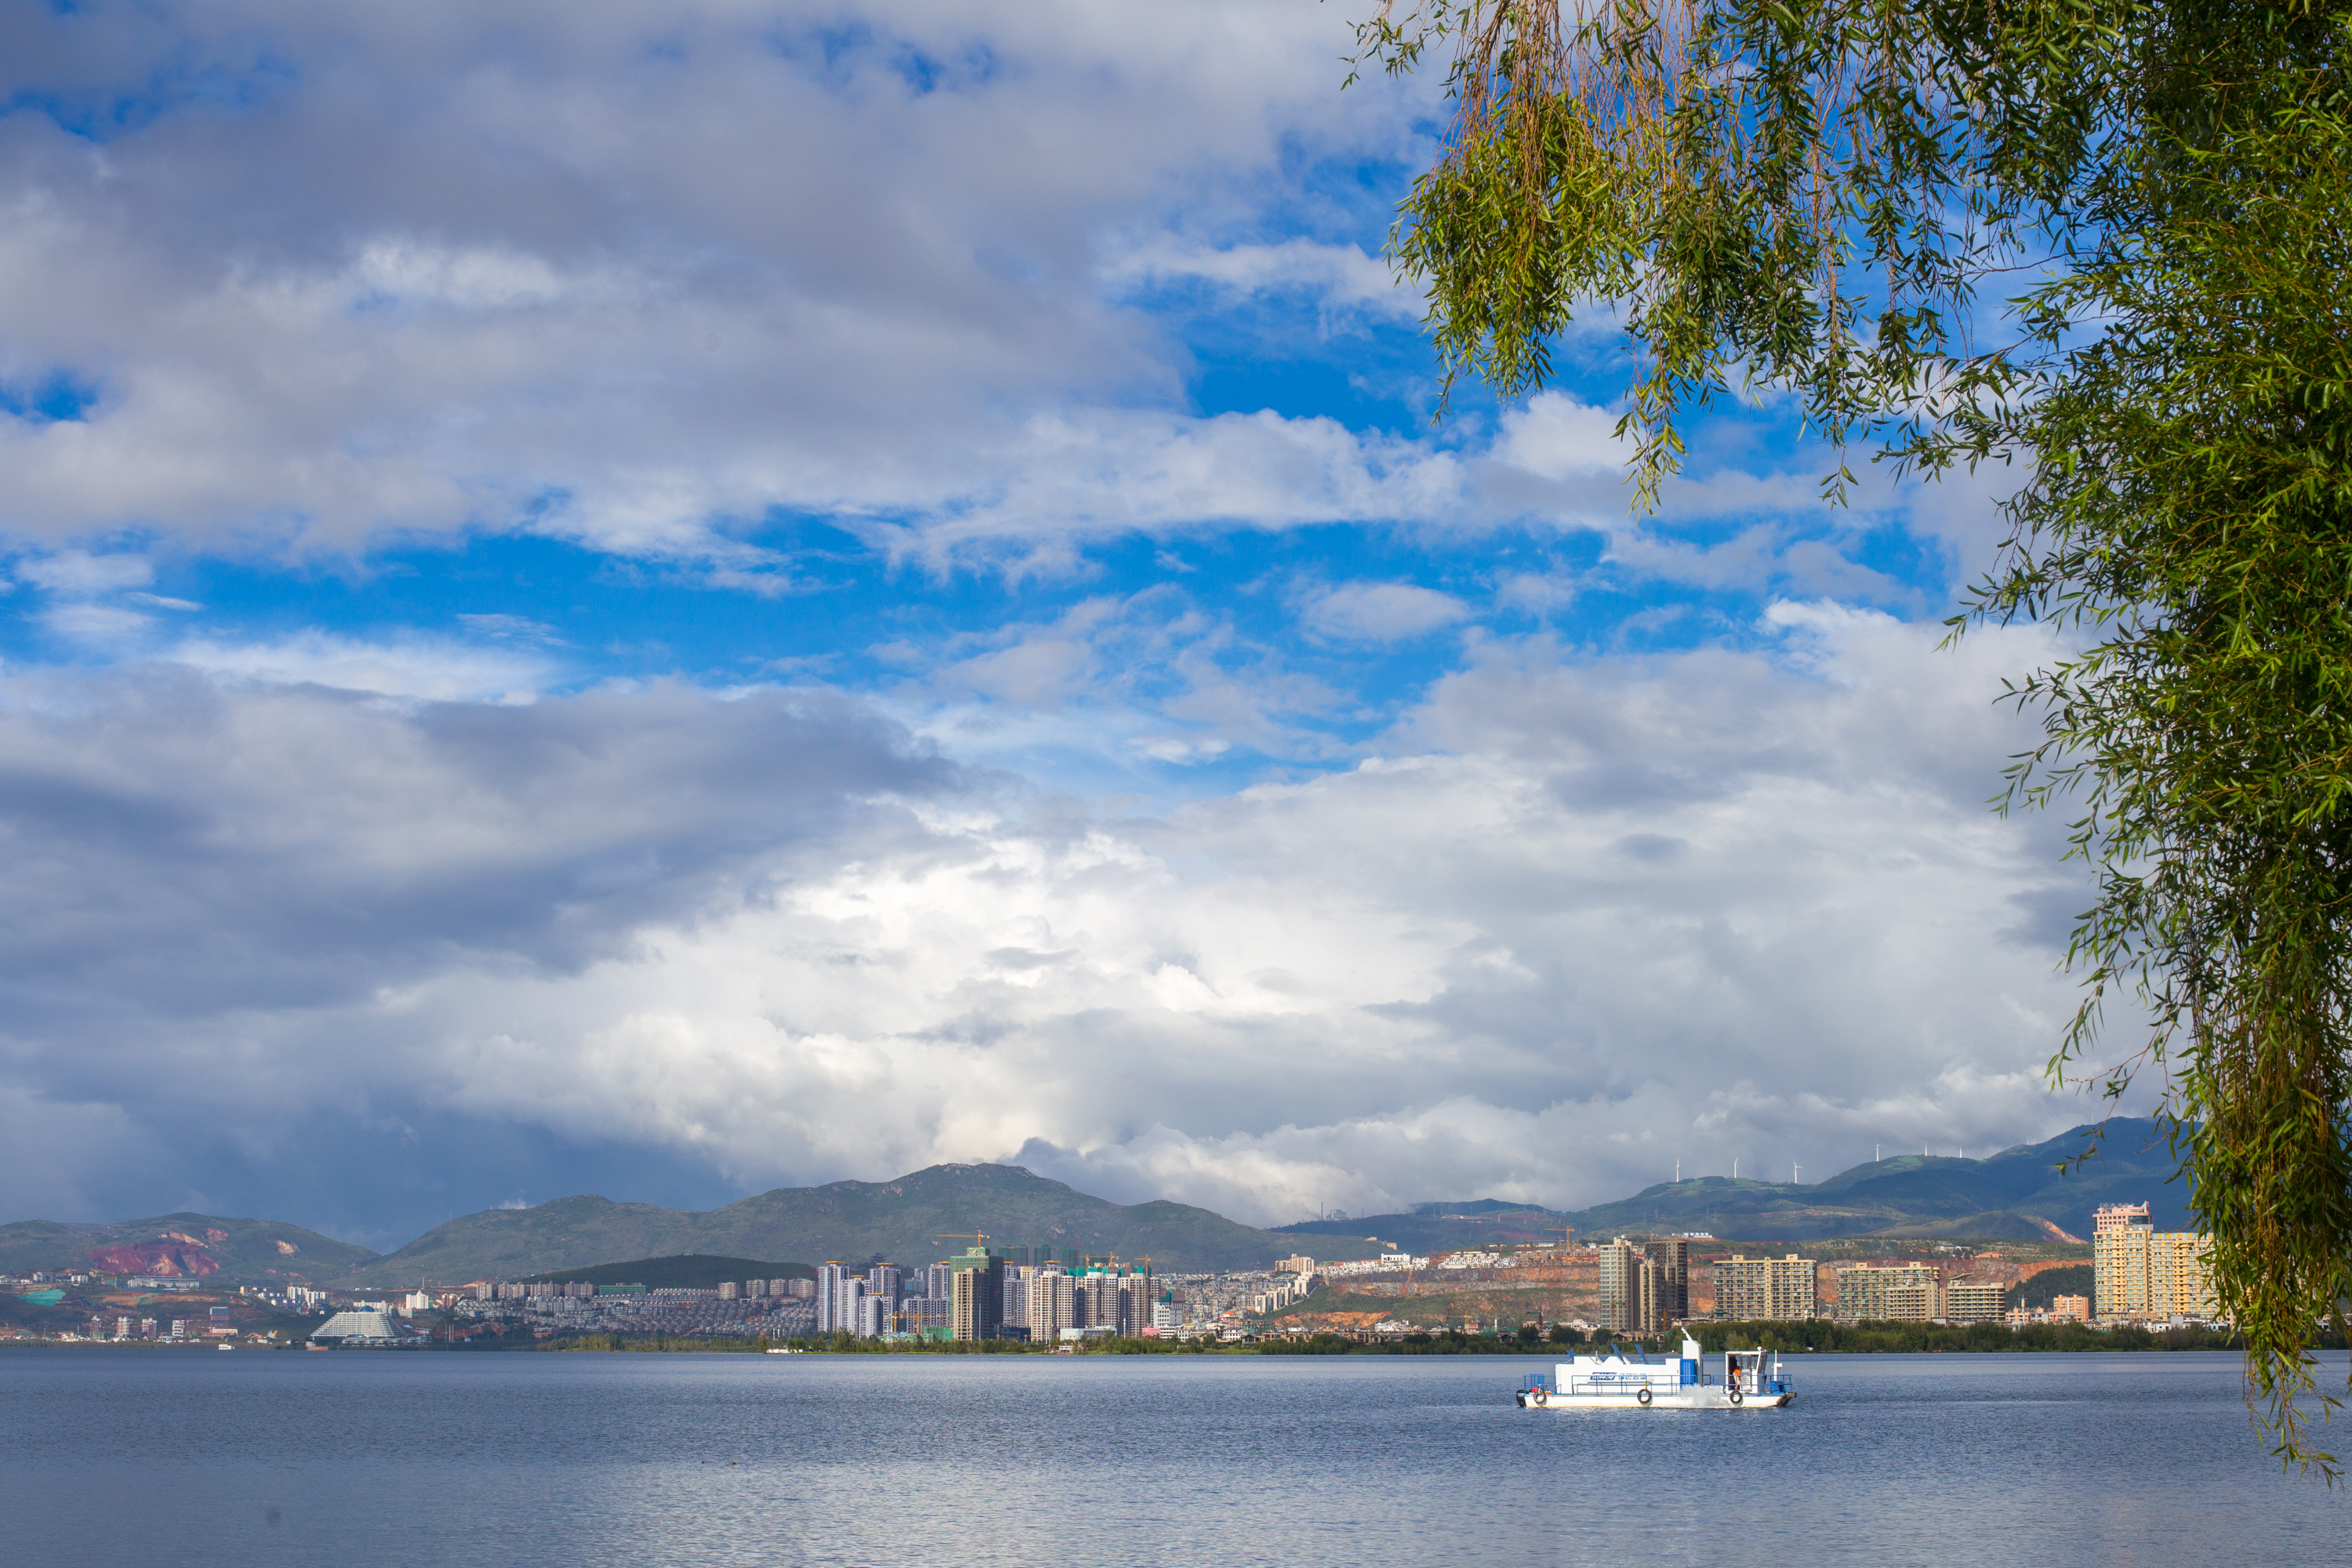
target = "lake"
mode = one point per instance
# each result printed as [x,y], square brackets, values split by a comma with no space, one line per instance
[134,1457]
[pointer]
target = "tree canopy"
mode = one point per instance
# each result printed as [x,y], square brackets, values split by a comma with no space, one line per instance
[2102,243]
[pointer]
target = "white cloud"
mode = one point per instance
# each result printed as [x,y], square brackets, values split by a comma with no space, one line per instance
[1555,437]
[625,278]
[637,274]
[437,669]
[1342,275]
[1582,919]
[102,626]
[643,279]
[80,574]
[1381,612]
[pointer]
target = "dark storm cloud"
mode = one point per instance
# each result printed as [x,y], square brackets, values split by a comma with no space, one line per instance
[181,848]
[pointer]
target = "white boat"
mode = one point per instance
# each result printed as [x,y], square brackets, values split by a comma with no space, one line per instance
[1742,1379]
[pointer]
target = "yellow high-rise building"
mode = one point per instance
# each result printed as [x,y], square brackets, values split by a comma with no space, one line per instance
[2141,1273]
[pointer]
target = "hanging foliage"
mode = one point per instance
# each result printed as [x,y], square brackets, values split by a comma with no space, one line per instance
[1809,195]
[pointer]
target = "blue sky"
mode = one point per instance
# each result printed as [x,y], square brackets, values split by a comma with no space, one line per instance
[670,599]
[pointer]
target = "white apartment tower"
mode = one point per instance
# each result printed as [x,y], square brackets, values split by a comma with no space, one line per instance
[1051,1304]
[829,1279]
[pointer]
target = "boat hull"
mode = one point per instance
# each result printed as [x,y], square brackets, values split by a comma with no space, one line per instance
[1674,1399]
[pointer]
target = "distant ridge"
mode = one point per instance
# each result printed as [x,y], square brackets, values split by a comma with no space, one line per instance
[688,1271]
[209,1249]
[910,1221]
[2016,1195]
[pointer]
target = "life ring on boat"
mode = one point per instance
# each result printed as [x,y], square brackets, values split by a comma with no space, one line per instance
[1737,1397]
[1641,1397]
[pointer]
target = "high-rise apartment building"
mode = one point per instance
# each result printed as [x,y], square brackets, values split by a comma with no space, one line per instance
[1629,1288]
[829,1279]
[1051,1305]
[1135,1295]
[1095,1301]
[1975,1301]
[1765,1289]
[2140,1272]
[2119,1234]
[1672,1255]
[1017,1277]
[852,1311]
[976,1291]
[1897,1293]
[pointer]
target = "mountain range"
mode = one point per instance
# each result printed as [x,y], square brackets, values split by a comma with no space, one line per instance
[911,1221]
[2020,1193]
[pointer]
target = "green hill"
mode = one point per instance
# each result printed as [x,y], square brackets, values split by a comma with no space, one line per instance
[181,1246]
[912,1221]
[688,1271]
[2016,1193]
[2079,1279]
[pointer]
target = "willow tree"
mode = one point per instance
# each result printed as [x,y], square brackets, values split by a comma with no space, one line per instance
[2105,246]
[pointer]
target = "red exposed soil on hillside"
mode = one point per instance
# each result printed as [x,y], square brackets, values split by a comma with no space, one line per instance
[164,1260]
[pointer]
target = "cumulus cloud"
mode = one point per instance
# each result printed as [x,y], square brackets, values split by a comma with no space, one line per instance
[279,280]
[1576,921]
[438,668]
[1381,612]
[645,279]
[81,574]
[1342,275]
[633,277]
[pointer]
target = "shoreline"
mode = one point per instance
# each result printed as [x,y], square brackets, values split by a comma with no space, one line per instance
[1800,1338]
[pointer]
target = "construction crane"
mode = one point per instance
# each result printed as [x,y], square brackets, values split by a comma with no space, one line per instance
[977,1238]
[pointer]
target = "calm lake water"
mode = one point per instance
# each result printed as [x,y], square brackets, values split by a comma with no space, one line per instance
[127,1456]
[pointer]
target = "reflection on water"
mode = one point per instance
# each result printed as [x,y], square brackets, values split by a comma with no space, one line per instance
[359,1458]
